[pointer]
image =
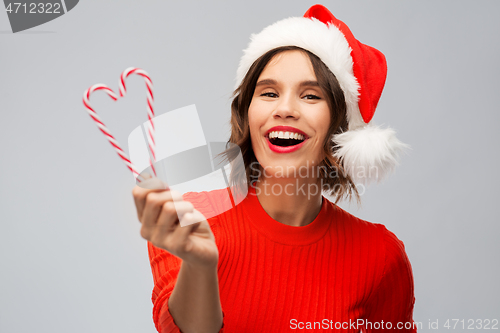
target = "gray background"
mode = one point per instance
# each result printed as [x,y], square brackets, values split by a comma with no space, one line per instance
[71,255]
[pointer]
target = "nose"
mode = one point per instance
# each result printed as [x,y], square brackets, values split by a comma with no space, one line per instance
[286,107]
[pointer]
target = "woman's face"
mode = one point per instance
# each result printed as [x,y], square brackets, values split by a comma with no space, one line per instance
[287,94]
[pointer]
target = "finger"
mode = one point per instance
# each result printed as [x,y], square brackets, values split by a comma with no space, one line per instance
[173,211]
[191,218]
[153,184]
[178,238]
[168,225]
[139,193]
[154,205]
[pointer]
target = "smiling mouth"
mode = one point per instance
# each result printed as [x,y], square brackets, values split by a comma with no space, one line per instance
[284,142]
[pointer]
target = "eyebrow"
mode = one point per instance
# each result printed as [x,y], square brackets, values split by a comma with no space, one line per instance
[308,83]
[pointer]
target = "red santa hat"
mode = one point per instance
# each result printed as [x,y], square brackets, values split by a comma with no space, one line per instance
[367,151]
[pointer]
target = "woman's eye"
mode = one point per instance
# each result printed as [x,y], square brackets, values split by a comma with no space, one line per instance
[310,96]
[269,94]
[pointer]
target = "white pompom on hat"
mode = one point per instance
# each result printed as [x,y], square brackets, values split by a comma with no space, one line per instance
[367,152]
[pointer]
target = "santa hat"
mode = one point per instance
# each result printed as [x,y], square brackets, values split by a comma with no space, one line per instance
[367,152]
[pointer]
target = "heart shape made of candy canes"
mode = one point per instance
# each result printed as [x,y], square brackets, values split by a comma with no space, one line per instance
[105,130]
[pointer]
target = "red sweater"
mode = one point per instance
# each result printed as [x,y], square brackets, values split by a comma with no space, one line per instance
[338,272]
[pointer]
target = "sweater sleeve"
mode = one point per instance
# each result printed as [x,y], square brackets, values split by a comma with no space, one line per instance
[390,306]
[165,268]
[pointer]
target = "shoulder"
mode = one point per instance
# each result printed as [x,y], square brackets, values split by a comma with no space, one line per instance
[382,244]
[368,231]
[391,253]
[396,258]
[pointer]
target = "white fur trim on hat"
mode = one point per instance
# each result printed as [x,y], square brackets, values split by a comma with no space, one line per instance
[369,153]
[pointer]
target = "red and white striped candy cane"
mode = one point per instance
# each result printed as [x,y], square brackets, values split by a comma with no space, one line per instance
[151,113]
[105,130]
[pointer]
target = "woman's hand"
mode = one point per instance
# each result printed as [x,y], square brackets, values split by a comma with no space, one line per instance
[194,243]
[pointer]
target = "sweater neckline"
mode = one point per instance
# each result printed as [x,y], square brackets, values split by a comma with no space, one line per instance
[283,233]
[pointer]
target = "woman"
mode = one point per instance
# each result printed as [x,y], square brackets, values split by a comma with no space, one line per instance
[285,257]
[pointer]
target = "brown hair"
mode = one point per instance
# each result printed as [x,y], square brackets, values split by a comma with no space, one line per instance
[340,184]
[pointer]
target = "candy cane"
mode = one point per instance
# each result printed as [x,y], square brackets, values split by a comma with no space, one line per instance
[151,114]
[105,130]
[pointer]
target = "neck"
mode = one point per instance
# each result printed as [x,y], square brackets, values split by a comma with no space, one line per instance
[292,201]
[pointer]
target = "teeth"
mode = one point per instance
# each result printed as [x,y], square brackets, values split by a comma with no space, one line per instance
[285,135]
